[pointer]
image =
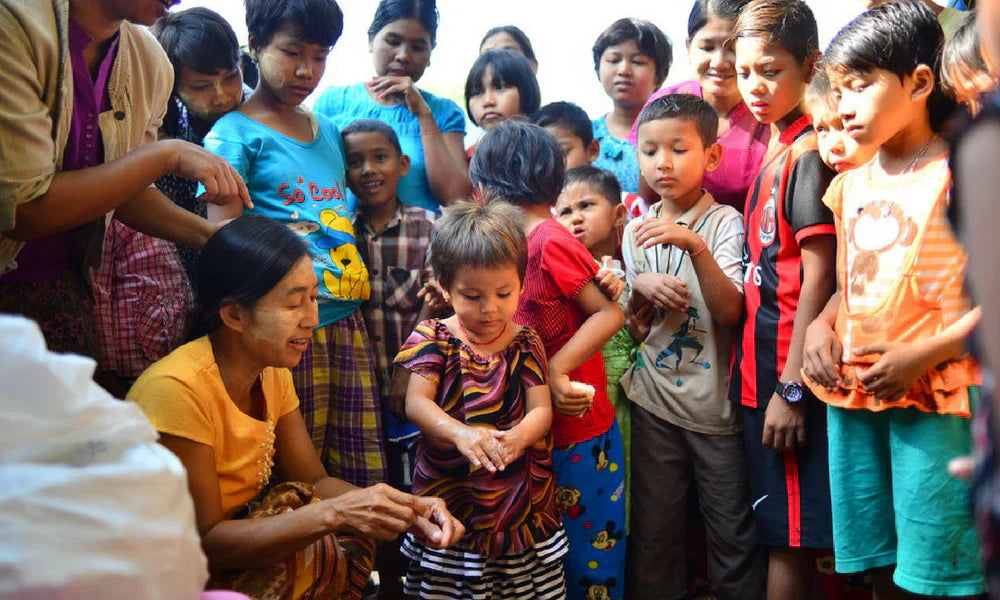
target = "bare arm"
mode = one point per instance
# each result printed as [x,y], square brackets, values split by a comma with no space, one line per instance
[724,299]
[475,443]
[901,364]
[784,424]
[245,543]
[444,155]
[605,318]
[535,424]
[78,197]
[154,214]
[444,160]
[818,281]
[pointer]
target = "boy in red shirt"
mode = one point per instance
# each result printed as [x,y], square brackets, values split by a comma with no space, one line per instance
[788,274]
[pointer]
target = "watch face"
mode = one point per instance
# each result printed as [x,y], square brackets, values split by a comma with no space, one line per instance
[793,392]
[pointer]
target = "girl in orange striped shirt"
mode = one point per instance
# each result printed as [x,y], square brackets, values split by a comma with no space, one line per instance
[886,354]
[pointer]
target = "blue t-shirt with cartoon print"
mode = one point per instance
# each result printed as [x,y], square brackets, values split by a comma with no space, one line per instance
[303,185]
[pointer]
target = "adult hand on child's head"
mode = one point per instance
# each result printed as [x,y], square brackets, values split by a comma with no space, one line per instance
[895,372]
[403,88]
[665,291]
[784,425]
[652,232]
[223,185]
[435,524]
[567,399]
[821,354]
[609,283]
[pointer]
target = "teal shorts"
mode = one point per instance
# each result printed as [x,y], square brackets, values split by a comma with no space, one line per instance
[895,504]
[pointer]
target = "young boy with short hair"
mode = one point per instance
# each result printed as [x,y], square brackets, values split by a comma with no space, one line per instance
[683,258]
[394,241]
[571,127]
[788,276]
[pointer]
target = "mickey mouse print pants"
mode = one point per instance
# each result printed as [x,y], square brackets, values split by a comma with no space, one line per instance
[590,494]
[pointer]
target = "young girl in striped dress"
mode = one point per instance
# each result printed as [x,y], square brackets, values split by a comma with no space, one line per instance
[481,401]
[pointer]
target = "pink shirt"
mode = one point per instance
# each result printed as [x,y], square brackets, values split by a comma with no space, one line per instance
[743,148]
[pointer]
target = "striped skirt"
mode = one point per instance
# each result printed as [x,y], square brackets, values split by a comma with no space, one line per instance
[451,574]
[334,566]
[338,397]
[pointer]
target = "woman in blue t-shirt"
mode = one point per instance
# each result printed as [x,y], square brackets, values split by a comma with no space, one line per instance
[430,129]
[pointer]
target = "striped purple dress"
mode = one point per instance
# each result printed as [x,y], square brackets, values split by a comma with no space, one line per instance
[507,514]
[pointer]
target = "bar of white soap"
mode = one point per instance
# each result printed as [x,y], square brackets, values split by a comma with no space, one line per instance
[580,387]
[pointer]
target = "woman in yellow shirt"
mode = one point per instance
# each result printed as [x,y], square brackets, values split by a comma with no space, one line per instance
[224,404]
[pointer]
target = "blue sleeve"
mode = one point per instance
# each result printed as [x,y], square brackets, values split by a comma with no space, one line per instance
[447,114]
[224,141]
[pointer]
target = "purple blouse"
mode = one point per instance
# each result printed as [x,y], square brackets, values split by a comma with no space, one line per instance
[48,257]
[743,147]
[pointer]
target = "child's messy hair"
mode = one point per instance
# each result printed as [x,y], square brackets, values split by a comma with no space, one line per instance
[649,38]
[518,162]
[372,126]
[473,235]
[601,180]
[317,22]
[787,23]
[896,37]
[508,68]
[961,59]
[568,115]
[819,90]
[686,107]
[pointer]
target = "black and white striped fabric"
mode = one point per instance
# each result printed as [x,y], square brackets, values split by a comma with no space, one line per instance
[449,574]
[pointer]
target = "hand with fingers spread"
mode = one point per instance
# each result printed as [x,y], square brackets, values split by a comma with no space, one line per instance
[223,185]
[821,354]
[784,425]
[895,372]
[478,445]
[402,88]
[665,291]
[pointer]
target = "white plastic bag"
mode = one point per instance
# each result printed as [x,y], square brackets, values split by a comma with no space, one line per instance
[90,505]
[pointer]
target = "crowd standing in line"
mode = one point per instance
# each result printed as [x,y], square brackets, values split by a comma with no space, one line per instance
[730,324]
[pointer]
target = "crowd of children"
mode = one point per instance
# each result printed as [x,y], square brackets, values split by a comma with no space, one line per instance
[742,293]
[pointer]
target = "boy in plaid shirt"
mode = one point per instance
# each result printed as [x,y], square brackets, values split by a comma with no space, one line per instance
[394,240]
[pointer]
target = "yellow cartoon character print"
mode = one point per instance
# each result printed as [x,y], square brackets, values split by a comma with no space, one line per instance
[349,277]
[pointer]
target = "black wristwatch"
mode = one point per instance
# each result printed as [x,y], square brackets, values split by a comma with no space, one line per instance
[790,392]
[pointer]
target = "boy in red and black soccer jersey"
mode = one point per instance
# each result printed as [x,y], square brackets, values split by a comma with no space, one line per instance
[788,263]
